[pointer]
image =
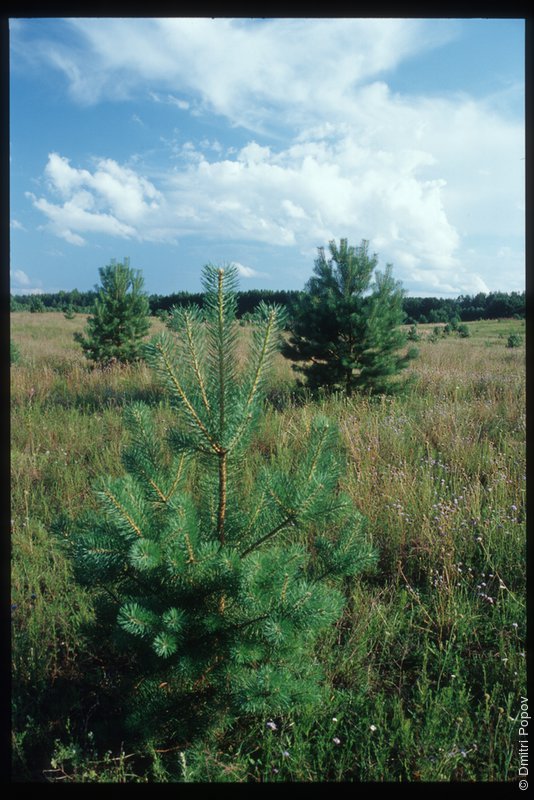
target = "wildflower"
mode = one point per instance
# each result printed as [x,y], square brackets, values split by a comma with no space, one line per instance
[272,725]
[336,740]
[515,625]
[372,727]
[334,719]
[285,753]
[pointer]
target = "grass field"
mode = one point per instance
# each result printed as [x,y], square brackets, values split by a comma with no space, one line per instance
[426,668]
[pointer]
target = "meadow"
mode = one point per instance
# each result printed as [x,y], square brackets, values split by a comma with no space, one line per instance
[426,669]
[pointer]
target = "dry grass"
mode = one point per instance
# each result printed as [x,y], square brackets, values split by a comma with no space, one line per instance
[435,636]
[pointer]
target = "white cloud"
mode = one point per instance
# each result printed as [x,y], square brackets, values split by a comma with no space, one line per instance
[112,200]
[415,204]
[16,225]
[171,100]
[19,278]
[237,67]
[248,272]
[417,176]
[21,283]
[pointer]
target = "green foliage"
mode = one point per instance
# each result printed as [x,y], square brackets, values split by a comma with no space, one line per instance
[69,312]
[438,315]
[413,334]
[219,594]
[120,317]
[514,340]
[14,352]
[463,331]
[343,337]
[423,682]
[36,305]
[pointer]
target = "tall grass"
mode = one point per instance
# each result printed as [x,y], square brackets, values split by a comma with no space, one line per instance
[427,666]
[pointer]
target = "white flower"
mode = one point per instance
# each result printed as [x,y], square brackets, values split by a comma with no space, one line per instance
[372,727]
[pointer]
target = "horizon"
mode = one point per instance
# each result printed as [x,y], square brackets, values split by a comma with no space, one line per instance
[153,141]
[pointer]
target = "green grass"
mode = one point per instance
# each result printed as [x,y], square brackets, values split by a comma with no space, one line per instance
[426,668]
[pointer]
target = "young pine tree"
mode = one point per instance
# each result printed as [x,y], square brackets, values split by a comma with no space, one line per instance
[219,593]
[120,317]
[346,331]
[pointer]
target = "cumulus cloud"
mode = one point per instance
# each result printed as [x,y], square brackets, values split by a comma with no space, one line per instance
[21,283]
[112,200]
[346,156]
[400,192]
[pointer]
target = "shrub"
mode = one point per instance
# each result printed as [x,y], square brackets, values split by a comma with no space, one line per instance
[36,305]
[413,335]
[463,331]
[514,340]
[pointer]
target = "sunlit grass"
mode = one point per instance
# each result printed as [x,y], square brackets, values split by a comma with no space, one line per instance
[426,667]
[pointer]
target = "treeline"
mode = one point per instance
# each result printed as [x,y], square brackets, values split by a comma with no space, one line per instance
[465,308]
[82,302]
[246,301]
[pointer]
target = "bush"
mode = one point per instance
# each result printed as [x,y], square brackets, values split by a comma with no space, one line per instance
[463,331]
[413,334]
[514,340]
[36,305]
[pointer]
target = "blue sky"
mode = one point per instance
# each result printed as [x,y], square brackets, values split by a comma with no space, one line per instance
[179,142]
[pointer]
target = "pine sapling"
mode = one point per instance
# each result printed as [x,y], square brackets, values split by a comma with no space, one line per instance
[218,593]
[120,317]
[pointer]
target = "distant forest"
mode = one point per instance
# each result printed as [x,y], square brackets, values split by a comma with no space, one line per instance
[466,308]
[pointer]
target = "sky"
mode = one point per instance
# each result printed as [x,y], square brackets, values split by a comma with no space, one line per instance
[186,141]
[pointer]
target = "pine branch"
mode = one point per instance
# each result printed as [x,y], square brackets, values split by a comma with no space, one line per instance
[185,400]
[176,479]
[273,324]
[106,493]
[288,521]
[195,358]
